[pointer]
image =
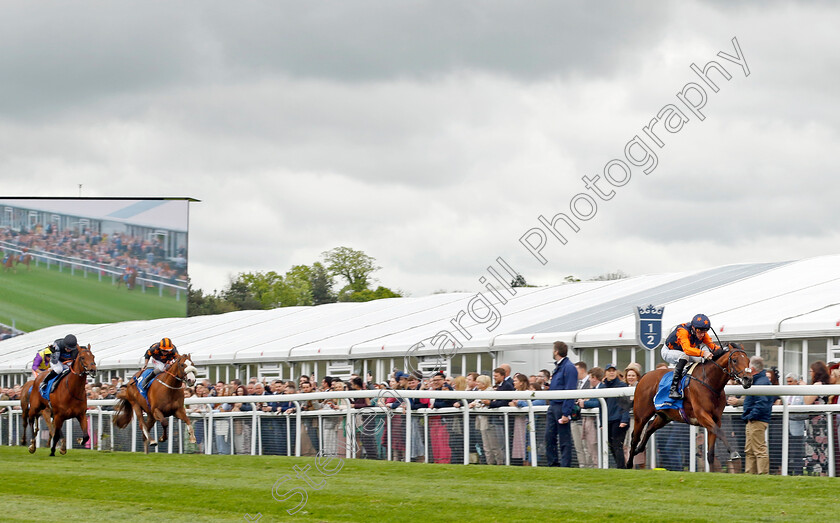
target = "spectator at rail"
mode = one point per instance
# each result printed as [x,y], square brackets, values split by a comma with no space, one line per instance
[417,442]
[438,431]
[558,433]
[364,431]
[632,374]
[756,413]
[521,445]
[584,460]
[590,424]
[491,445]
[618,415]
[796,430]
[816,436]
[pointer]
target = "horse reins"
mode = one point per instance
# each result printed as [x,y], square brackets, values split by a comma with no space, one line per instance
[183,385]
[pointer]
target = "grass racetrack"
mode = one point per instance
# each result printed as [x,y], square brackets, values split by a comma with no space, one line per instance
[41,297]
[99,486]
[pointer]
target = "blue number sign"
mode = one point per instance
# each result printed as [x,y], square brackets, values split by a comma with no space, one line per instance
[649,325]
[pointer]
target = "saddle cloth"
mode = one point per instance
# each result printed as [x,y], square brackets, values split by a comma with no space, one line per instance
[661,400]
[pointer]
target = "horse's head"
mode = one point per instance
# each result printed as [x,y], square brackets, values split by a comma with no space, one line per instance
[185,370]
[86,360]
[738,364]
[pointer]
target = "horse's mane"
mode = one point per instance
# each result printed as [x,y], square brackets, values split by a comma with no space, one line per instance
[728,348]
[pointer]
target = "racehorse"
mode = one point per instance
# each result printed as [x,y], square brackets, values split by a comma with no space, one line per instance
[128,278]
[25,259]
[703,402]
[67,401]
[166,398]
[24,406]
[9,262]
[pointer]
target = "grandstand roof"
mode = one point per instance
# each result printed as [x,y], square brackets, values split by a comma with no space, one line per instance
[748,301]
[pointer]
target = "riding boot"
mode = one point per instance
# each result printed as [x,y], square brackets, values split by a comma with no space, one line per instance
[674,393]
[47,378]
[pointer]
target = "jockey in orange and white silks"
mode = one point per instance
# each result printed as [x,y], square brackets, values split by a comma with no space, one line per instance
[689,341]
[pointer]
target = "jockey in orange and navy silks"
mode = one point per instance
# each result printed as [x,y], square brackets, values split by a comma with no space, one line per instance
[689,341]
[160,354]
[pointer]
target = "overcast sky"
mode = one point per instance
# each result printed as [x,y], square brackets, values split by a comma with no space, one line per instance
[432,135]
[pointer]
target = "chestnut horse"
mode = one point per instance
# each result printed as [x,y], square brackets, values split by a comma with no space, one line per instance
[166,398]
[25,392]
[25,259]
[67,401]
[9,262]
[703,401]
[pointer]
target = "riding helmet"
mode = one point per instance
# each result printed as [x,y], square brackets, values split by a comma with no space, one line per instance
[165,344]
[701,321]
[70,341]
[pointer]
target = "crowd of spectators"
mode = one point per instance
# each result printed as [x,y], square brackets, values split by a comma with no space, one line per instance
[115,251]
[808,433]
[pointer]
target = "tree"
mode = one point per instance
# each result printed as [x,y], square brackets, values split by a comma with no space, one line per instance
[352,265]
[240,295]
[571,279]
[200,304]
[519,281]
[320,282]
[369,295]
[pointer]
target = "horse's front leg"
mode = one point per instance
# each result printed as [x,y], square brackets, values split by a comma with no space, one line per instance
[164,422]
[708,422]
[181,414]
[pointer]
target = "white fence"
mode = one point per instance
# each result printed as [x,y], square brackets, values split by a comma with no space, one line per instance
[450,435]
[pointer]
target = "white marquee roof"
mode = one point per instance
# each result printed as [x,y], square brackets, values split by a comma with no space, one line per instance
[745,302]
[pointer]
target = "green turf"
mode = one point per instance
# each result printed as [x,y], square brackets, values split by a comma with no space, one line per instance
[85,485]
[40,298]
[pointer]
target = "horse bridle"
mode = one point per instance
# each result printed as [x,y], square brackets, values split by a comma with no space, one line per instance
[85,369]
[182,380]
[727,371]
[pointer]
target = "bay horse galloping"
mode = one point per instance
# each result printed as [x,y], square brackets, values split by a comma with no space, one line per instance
[703,404]
[166,398]
[67,401]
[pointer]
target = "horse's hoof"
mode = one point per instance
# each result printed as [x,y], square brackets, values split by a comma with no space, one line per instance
[63,451]
[153,444]
[32,450]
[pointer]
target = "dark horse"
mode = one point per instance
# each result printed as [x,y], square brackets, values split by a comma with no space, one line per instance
[67,401]
[703,401]
[166,398]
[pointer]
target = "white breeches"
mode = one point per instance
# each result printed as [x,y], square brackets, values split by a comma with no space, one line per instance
[59,367]
[673,356]
[157,366]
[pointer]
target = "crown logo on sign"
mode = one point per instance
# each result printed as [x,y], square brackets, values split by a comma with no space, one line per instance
[651,312]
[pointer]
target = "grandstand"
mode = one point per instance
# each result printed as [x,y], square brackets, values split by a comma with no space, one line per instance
[786,312]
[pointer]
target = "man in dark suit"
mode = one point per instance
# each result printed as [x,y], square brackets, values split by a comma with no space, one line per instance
[559,415]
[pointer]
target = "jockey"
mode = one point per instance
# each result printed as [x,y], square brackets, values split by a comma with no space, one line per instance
[41,361]
[687,342]
[64,352]
[160,354]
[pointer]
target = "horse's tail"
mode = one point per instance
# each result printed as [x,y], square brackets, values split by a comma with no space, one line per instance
[123,413]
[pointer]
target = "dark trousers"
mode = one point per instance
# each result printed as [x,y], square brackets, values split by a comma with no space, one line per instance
[555,432]
[616,440]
